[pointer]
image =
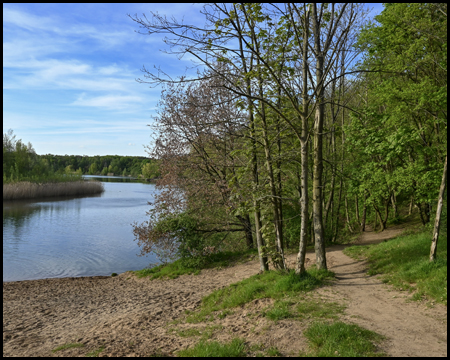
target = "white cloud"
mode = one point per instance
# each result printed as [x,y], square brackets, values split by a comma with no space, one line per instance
[27,21]
[108,101]
[109,70]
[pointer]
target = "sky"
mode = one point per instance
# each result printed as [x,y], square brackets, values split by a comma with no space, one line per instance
[70,70]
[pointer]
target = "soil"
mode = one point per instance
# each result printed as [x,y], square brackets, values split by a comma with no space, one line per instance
[127,316]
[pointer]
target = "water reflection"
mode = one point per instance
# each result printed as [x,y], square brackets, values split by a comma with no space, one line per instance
[80,236]
[111,178]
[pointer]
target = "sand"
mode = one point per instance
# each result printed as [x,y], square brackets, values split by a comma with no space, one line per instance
[127,316]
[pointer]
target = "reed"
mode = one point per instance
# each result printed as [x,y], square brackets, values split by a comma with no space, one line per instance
[29,190]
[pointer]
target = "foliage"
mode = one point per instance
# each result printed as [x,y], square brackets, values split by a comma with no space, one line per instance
[238,144]
[173,236]
[21,163]
[399,133]
[150,170]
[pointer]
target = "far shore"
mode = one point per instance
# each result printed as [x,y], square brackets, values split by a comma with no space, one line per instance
[28,190]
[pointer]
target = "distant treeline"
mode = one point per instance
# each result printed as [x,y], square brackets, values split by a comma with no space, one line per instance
[103,165]
[21,163]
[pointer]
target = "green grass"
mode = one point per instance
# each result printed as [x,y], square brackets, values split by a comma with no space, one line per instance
[171,271]
[67,346]
[281,310]
[404,263]
[235,348]
[340,339]
[176,268]
[273,351]
[319,309]
[270,284]
[95,352]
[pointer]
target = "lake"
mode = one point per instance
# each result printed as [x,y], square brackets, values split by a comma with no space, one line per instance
[84,236]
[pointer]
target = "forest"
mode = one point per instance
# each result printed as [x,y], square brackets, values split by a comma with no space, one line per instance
[21,163]
[304,125]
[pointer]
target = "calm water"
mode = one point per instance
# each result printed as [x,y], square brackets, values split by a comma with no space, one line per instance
[76,236]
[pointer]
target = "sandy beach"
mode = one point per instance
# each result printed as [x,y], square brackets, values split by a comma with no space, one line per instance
[127,316]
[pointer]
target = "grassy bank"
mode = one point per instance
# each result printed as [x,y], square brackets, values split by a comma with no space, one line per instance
[177,268]
[282,297]
[404,263]
[30,190]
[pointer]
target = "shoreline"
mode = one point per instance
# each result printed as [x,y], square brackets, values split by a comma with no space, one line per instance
[104,311]
[62,278]
[127,316]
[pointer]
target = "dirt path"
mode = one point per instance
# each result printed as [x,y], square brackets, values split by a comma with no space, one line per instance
[127,316]
[411,328]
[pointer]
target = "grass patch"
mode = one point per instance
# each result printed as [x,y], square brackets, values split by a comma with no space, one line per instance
[235,348]
[340,339]
[95,352]
[67,346]
[176,268]
[270,284]
[281,310]
[404,263]
[273,351]
[171,271]
[316,309]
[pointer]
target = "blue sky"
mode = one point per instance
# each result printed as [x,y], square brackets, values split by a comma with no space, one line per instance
[69,75]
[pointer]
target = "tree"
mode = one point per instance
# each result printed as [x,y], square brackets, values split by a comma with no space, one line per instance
[150,170]
[93,169]
[405,118]
[272,54]
[437,221]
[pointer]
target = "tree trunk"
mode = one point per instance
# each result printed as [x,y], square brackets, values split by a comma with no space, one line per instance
[376,218]
[336,229]
[248,231]
[357,209]
[321,261]
[424,212]
[300,264]
[411,206]
[386,213]
[330,199]
[394,204]
[264,264]
[437,221]
[263,261]
[378,213]
[278,260]
[363,220]
[347,215]
[278,166]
